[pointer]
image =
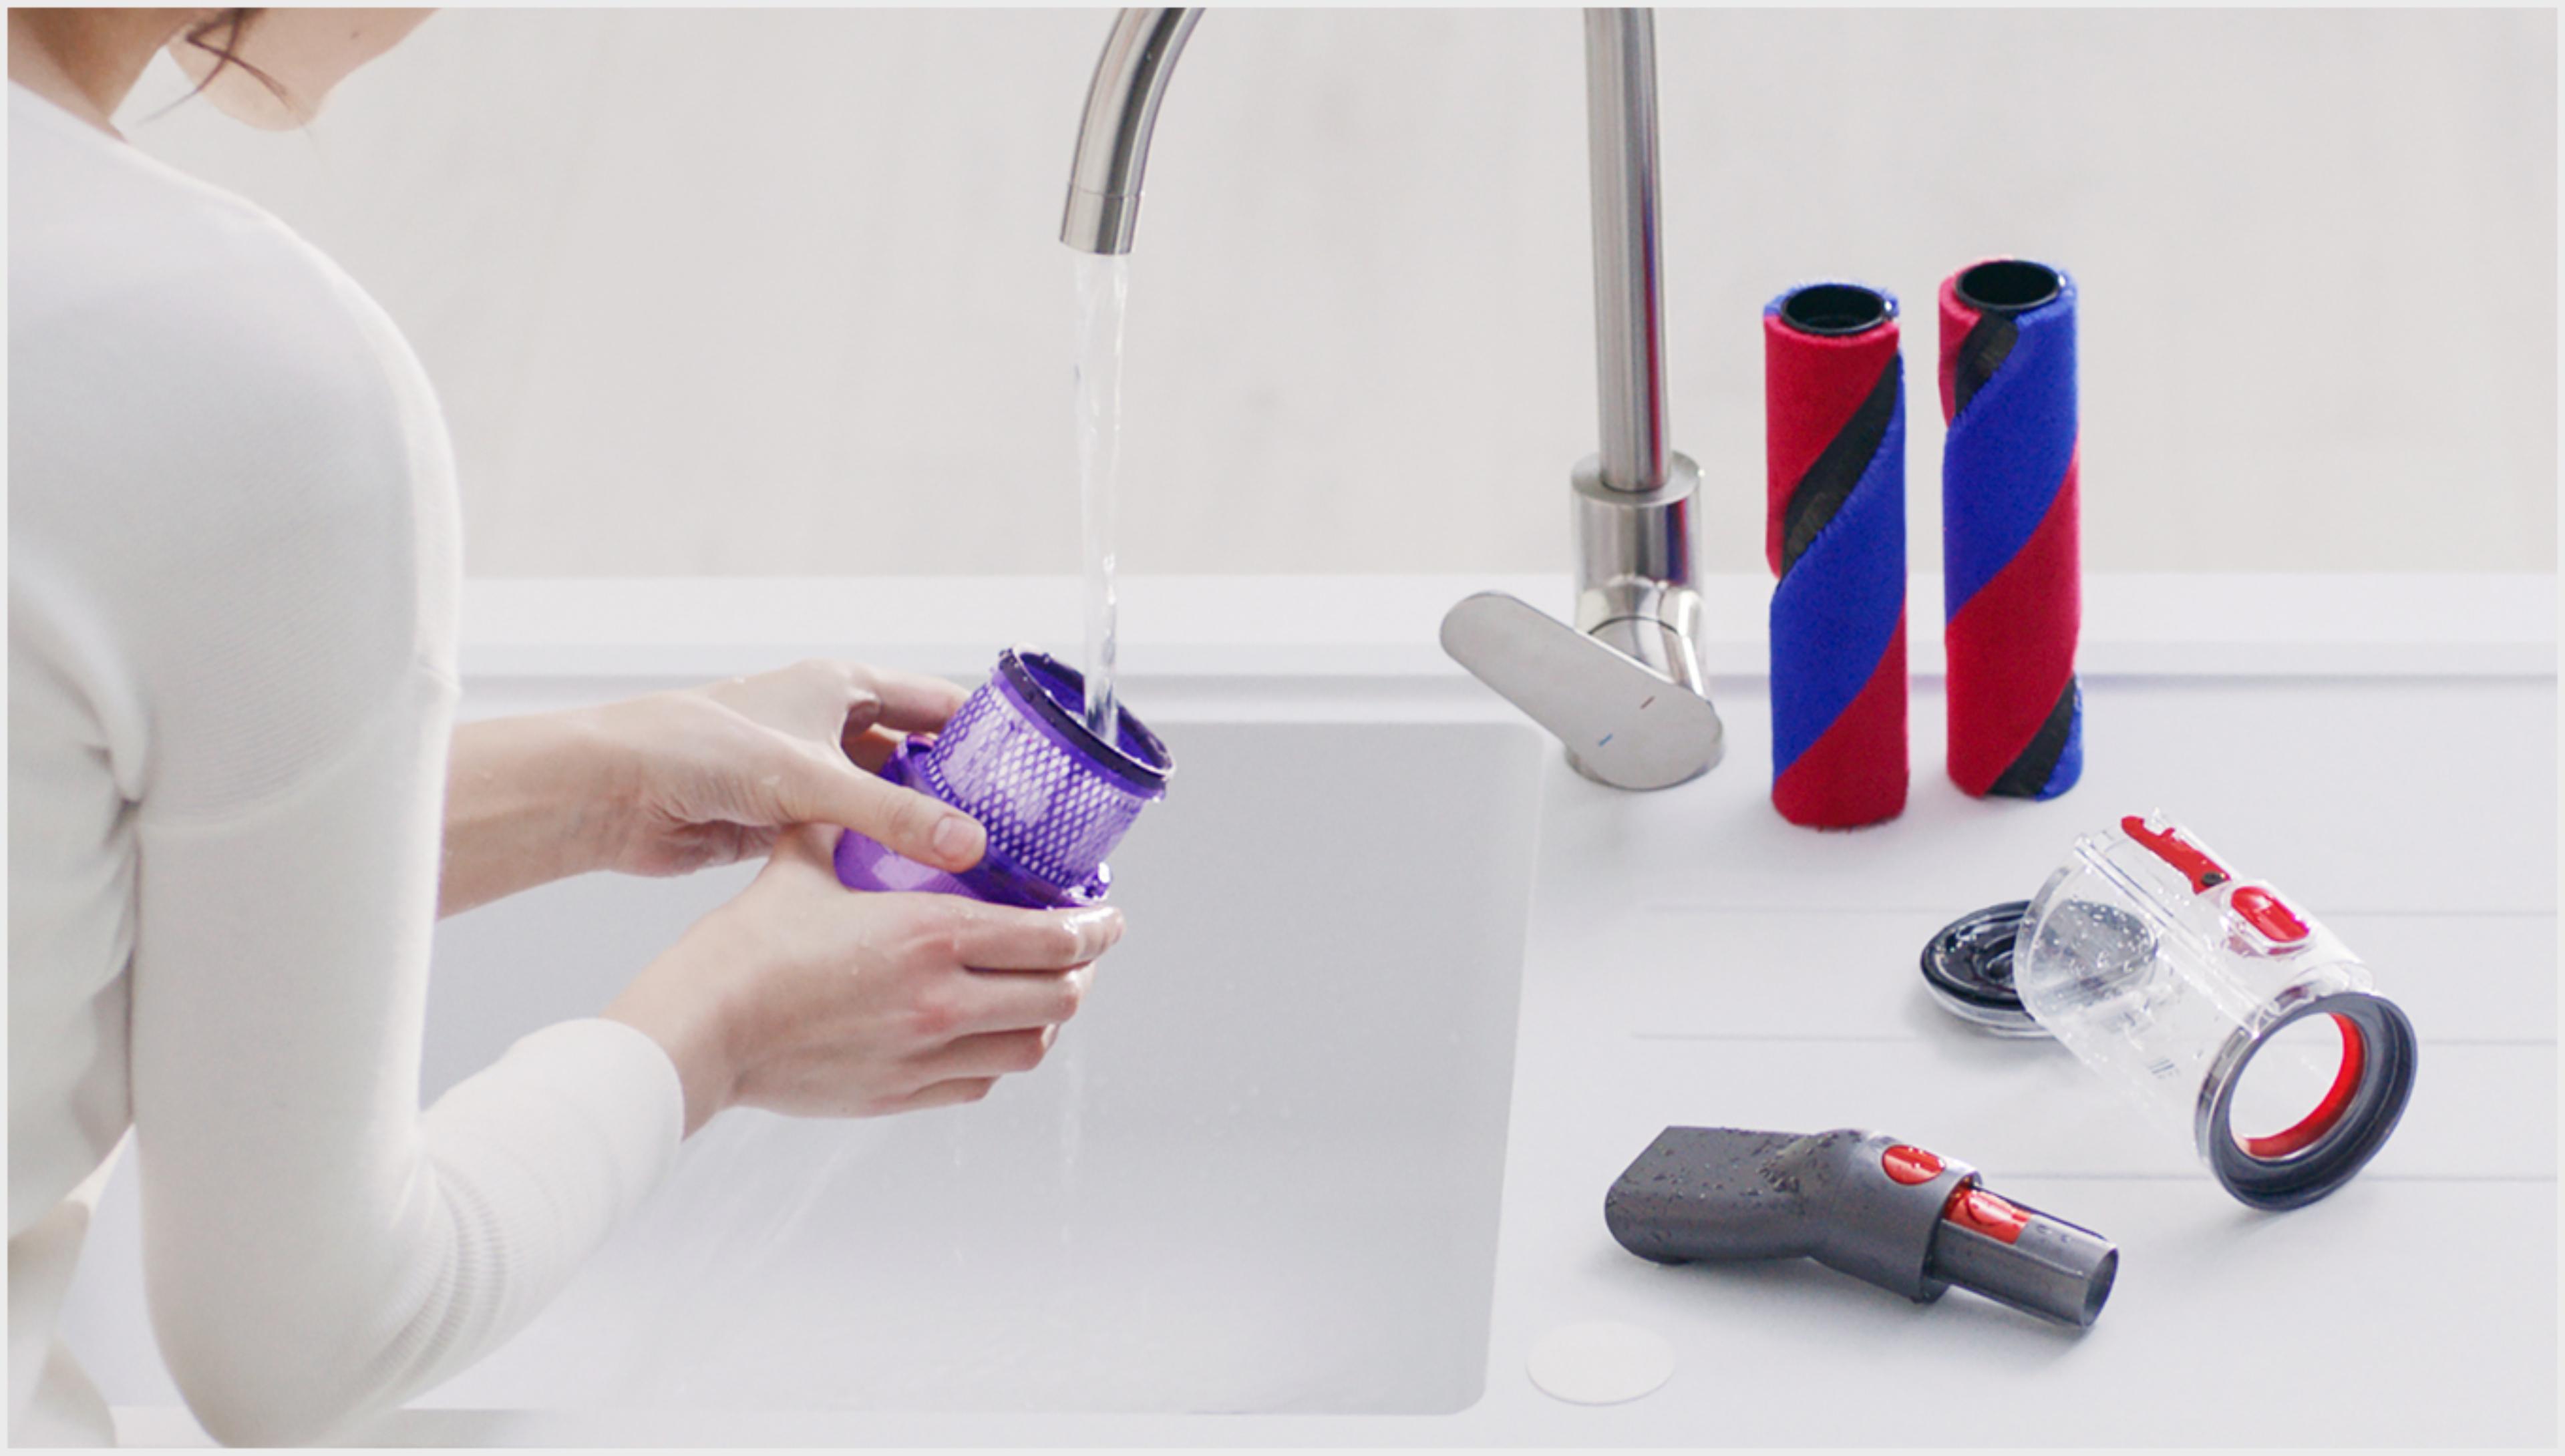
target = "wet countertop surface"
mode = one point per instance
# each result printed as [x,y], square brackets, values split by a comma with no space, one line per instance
[1692,959]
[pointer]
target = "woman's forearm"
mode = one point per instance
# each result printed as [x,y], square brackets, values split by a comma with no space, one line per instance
[528,800]
[676,782]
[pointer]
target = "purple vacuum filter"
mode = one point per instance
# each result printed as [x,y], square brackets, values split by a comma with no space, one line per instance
[1054,798]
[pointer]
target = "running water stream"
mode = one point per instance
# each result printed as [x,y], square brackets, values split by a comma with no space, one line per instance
[1103,289]
[1103,292]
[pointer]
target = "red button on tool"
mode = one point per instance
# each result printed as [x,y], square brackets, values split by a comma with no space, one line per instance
[2264,911]
[1910,1165]
[1972,1207]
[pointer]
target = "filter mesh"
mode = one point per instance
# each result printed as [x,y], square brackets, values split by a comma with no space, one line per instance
[1046,809]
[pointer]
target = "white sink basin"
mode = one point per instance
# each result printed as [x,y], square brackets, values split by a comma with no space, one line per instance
[1258,1173]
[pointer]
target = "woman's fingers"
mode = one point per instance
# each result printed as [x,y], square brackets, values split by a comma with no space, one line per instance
[942,1094]
[1003,938]
[1005,1001]
[827,727]
[990,1053]
[817,788]
[809,847]
[910,702]
[871,748]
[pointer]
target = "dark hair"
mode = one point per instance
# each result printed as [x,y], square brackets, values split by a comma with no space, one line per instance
[225,51]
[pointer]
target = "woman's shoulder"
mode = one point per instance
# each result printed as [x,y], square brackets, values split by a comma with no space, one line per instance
[208,416]
[190,287]
[181,319]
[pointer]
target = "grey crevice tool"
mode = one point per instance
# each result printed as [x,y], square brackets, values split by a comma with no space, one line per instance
[1910,1221]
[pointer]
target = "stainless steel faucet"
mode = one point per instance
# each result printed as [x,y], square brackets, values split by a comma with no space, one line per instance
[1623,687]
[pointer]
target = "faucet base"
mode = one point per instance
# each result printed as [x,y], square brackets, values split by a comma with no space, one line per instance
[1623,687]
[1634,563]
[1589,775]
[1637,537]
[1628,724]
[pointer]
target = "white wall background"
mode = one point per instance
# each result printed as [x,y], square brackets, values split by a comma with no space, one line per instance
[748,292]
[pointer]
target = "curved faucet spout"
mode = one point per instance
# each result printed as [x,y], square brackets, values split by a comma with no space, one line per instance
[1113,137]
[1621,122]
[1638,613]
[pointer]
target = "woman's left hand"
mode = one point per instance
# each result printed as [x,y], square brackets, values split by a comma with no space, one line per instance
[712,774]
[681,780]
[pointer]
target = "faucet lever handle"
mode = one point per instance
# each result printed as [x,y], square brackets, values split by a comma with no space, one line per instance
[1624,723]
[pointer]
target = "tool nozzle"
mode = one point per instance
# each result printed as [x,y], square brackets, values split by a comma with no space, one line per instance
[1907,1220]
[2021,1257]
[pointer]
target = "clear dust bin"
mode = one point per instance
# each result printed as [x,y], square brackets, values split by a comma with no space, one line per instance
[2233,1018]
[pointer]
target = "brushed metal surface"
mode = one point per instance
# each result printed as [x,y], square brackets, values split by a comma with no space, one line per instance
[1624,724]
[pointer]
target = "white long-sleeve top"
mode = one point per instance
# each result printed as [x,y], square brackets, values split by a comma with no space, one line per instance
[232,581]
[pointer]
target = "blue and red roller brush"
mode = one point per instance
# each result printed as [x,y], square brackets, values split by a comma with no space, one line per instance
[1835,534]
[2008,530]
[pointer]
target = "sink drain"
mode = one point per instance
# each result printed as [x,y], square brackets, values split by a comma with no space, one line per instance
[1601,1362]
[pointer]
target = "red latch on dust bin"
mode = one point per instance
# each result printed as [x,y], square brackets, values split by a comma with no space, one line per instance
[2203,872]
[2262,911]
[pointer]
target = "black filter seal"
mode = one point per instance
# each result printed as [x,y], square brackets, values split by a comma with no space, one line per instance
[1967,966]
[2377,1102]
[1057,692]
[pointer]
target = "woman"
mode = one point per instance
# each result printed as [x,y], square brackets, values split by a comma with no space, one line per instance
[232,763]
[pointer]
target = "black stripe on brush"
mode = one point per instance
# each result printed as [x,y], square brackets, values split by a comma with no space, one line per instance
[1822,492]
[2030,772]
[1981,354]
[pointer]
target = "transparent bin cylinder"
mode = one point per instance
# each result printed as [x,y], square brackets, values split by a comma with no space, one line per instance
[2169,976]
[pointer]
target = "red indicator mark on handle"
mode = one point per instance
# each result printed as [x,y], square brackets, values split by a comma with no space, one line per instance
[2169,846]
[1978,1211]
[1910,1165]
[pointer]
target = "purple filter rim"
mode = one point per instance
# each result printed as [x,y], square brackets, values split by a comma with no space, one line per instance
[1055,695]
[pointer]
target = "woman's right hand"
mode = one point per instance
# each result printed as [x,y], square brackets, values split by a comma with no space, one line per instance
[804,997]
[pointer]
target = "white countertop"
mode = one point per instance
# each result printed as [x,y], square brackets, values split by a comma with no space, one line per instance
[2383,748]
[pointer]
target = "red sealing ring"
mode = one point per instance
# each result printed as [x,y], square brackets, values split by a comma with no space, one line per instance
[2302,1134]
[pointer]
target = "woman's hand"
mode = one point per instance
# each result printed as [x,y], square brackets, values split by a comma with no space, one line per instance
[681,780]
[710,775]
[805,998]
